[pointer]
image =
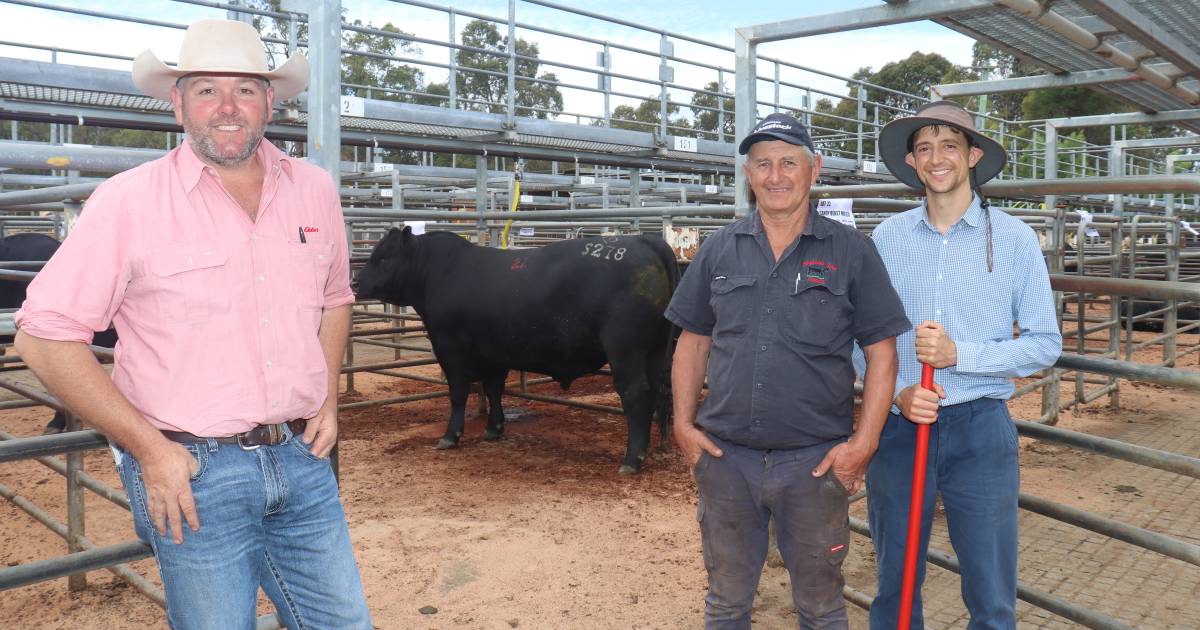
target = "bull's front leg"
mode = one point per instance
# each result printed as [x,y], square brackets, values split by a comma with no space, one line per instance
[460,390]
[493,388]
[637,402]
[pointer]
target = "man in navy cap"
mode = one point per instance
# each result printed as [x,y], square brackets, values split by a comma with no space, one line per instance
[770,309]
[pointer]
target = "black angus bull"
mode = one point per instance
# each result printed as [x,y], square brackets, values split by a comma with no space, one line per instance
[35,247]
[563,310]
[1136,307]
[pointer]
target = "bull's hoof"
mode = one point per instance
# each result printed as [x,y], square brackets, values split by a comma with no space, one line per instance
[446,443]
[491,435]
[626,469]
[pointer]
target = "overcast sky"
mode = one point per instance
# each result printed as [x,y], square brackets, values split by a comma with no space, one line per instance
[708,20]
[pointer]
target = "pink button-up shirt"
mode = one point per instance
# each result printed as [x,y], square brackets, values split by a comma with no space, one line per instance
[217,314]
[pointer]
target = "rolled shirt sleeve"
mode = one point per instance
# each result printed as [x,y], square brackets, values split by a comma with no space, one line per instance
[78,291]
[337,285]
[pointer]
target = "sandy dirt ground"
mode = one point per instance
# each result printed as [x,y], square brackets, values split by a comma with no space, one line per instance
[536,530]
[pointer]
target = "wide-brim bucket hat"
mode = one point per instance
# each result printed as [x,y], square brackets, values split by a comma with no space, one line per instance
[894,141]
[219,47]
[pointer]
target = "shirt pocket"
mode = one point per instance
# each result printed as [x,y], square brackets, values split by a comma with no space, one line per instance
[191,281]
[818,316]
[731,298]
[309,268]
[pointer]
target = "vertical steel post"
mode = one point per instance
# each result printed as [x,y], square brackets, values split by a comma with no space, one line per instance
[635,188]
[510,113]
[775,100]
[720,105]
[1050,391]
[481,196]
[606,86]
[745,109]
[452,82]
[859,114]
[350,342]
[75,493]
[665,75]
[1171,319]
[324,101]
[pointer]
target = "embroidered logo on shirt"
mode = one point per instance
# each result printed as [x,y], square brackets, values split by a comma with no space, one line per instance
[817,271]
[310,229]
[836,548]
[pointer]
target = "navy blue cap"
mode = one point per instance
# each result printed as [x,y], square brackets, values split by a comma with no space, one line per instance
[778,127]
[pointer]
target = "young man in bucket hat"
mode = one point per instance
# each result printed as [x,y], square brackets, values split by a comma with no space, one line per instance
[223,266]
[769,309]
[966,272]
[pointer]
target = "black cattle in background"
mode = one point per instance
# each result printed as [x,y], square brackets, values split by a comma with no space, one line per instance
[30,246]
[563,310]
[1131,306]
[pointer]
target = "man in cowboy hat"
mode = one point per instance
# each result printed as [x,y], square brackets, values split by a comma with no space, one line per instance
[769,309]
[966,272]
[223,266]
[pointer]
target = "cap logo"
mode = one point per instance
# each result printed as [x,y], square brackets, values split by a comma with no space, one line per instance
[773,125]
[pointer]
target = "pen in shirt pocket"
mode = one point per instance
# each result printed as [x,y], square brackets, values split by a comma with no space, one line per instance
[301,230]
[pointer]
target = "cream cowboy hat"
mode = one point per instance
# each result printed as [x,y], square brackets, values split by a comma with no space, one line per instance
[219,47]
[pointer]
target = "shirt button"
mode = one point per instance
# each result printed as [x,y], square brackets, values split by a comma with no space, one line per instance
[275,404]
[939,276]
[268,365]
[758,385]
[262,278]
[265,321]
[938,312]
[774,274]
[770,310]
[254,237]
[763,348]
[945,241]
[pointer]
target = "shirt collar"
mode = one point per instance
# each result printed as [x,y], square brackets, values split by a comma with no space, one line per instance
[973,216]
[191,168]
[816,225]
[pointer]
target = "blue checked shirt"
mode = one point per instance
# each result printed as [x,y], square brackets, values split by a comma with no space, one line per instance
[944,278]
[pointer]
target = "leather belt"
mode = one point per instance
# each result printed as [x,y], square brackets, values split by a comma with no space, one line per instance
[261,435]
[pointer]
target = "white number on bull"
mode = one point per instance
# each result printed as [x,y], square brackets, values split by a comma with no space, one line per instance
[597,250]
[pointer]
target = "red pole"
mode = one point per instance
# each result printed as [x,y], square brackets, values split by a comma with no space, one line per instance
[913,545]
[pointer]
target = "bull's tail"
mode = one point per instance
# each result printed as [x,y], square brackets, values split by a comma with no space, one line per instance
[665,407]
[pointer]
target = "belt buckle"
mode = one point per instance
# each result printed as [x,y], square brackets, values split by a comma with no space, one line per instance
[246,447]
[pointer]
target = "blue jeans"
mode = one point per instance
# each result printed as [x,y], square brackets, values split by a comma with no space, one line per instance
[739,493]
[973,463]
[269,517]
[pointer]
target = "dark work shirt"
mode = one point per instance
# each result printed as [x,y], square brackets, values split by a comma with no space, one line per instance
[779,369]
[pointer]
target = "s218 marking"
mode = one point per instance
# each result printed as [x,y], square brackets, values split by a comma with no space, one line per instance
[599,250]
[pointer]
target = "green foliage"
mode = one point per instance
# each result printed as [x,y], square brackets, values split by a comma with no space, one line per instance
[375,71]
[709,121]
[100,136]
[913,75]
[486,91]
[834,134]
[646,117]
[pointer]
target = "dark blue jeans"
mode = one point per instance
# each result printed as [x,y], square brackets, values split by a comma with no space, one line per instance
[739,493]
[973,464]
[269,517]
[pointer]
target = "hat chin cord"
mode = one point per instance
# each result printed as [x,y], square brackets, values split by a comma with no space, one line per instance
[987,216]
